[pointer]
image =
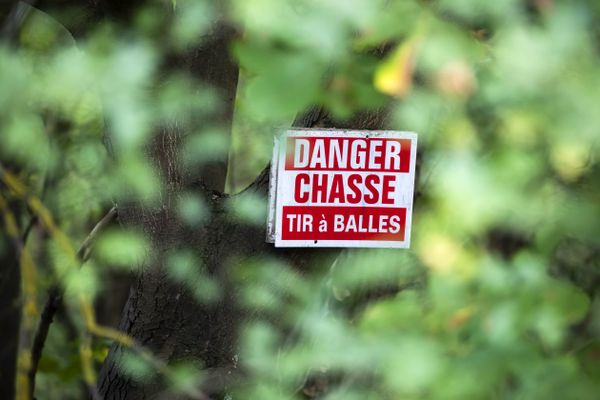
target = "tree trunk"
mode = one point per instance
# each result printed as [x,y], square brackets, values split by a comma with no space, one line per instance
[164,317]
[160,314]
[10,316]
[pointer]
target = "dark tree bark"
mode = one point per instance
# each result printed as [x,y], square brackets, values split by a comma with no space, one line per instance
[164,317]
[10,316]
[183,330]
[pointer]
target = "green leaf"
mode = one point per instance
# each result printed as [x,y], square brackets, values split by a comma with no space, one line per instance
[122,248]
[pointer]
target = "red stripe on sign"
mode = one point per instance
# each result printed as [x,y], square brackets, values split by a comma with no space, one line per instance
[348,154]
[343,223]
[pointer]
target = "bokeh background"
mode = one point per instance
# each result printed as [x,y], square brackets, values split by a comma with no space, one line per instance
[129,106]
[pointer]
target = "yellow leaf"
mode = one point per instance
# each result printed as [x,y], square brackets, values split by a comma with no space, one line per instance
[440,253]
[570,159]
[460,317]
[394,76]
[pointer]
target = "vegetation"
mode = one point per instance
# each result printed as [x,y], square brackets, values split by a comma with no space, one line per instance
[133,143]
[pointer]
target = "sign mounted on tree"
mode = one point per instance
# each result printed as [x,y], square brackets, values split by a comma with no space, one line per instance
[342,188]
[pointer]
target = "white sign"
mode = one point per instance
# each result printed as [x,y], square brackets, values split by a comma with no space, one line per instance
[342,188]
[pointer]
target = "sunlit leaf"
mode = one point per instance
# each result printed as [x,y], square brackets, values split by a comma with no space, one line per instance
[395,75]
[122,248]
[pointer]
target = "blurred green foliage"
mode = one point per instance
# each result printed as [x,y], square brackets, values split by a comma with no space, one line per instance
[498,296]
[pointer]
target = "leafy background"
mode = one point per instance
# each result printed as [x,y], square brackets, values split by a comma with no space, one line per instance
[498,295]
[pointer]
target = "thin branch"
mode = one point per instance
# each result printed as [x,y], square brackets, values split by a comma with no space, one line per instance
[260,184]
[55,299]
[83,253]
[28,282]
[41,333]
[87,365]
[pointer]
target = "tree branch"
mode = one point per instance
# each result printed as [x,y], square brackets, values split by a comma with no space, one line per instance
[55,299]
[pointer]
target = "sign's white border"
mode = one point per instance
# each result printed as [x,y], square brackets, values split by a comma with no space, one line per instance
[274,222]
[272,191]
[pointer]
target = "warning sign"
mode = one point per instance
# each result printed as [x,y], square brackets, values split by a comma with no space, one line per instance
[342,188]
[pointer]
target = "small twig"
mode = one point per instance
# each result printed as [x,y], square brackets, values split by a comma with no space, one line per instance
[87,365]
[55,299]
[83,253]
[41,333]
